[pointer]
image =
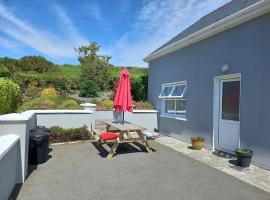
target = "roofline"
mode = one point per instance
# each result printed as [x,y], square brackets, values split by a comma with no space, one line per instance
[240,17]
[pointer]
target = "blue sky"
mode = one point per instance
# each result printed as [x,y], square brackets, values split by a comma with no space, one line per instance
[127,30]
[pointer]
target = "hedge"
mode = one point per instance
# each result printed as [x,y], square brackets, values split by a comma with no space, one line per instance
[59,134]
[10,96]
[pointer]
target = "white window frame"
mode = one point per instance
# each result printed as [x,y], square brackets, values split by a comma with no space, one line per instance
[181,116]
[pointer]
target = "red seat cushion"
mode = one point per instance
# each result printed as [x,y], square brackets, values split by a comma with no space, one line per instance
[108,136]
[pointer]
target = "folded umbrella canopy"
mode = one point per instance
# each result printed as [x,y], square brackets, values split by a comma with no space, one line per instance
[123,99]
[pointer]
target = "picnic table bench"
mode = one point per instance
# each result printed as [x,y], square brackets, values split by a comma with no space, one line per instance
[128,133]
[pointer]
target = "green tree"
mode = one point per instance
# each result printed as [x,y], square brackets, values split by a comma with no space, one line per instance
[94,67]
[88,88]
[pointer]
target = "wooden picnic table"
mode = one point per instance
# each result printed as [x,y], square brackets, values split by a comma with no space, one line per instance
[128,133]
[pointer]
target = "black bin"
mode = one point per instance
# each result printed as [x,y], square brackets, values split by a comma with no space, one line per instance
[38,145]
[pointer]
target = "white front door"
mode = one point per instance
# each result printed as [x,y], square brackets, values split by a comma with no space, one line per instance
[229,115]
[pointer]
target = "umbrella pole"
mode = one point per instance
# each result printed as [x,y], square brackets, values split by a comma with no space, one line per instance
[123,117]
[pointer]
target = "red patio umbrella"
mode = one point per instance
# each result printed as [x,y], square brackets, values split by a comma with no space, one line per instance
[123,99]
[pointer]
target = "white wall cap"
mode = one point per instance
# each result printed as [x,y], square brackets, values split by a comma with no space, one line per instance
[13,117]
[144,111]
[6,143]
[63,111]
[88,105]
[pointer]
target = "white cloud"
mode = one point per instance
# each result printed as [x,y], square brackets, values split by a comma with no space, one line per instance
[45,42]
[156,23]
[9,44]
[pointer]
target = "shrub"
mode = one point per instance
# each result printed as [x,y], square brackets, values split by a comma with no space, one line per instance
[10,63]
[139,88]
[88,88]
[35,63]
[59,134]
[41,80]
[107,103]
[143,105]
[48,92]
[41,103]
[30,93]
[4,72]
[70,104]
[10,96]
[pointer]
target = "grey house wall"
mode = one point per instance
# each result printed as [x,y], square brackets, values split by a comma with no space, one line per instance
[246,49]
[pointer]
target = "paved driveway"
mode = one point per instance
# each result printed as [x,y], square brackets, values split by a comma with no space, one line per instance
[78,171]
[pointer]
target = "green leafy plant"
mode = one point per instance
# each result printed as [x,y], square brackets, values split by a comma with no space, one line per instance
[48,103]
[4,72]
[107,103]
[243,152]
[35,63]
[59,134]
[139,88]
[10,96]
[10,63]
[143,105]
[41,80]
[88,88]
[70,104]
[48,92]
[197,138]
[41,103]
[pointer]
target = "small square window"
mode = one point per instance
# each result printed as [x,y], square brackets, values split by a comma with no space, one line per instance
[174,99]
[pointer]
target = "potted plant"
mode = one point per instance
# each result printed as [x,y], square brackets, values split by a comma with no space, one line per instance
[197,142]
[244,156]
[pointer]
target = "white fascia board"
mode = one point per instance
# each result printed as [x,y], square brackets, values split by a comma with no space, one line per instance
[247,14]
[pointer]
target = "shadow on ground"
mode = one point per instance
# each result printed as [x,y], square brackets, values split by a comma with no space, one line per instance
[123,148]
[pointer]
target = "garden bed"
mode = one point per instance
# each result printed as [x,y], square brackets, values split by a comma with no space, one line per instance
[61,135]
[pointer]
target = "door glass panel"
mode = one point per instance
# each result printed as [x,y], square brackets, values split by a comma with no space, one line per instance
[170,106]
[230,100]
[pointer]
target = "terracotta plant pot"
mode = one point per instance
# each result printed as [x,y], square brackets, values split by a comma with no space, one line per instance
[197,143]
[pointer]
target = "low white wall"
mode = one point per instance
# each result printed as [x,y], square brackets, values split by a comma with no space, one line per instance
[65,119]
[10,170]
[19,125]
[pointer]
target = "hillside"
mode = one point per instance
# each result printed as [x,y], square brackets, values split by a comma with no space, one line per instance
[73,71]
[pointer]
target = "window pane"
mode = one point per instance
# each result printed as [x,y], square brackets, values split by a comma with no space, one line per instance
[170,106]
[180,106]
[178,90]
[230,100]
[166,91]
